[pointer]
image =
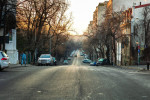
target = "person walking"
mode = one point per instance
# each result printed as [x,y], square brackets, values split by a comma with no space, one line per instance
[23,58]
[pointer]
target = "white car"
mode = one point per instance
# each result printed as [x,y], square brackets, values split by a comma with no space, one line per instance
[4,60]
[45,59]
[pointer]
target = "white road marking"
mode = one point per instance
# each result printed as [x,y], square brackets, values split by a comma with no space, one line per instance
[138,73]
[101,93]
[39,91]
[144,96]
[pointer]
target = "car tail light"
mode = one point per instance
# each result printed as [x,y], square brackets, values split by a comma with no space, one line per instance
[4,59]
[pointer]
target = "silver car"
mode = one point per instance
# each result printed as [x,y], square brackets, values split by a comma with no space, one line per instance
[45,59]
[4,60]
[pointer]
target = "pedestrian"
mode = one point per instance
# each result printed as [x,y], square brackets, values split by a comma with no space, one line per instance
[54,59]
[23,58]
[147,65]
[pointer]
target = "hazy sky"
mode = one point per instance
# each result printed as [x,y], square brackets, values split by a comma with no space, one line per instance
[82,11]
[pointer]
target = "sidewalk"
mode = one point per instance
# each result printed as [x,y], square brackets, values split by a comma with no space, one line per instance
[19,65]
[136,67]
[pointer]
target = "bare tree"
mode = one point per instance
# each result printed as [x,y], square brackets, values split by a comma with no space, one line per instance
[146,26]
[38,18]
[113,29]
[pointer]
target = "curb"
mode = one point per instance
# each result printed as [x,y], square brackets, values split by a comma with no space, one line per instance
[18,65]
[138,68]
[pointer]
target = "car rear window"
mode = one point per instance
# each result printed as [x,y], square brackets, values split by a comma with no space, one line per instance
[3,54]
[101,59]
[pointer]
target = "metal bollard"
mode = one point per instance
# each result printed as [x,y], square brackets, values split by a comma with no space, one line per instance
[148,66]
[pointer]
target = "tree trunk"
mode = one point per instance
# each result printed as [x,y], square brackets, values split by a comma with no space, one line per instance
[114,50]
[108,53]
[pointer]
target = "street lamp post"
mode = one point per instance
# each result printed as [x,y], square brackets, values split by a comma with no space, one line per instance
[4,31]
[138,44]
[138,52]
[50,44]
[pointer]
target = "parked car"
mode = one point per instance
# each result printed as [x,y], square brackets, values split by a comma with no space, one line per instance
[81,54]
[65,62]
[85,56]
[69,58]
[103,61]
[4,60]
[93,63]
[45,59]
[86,61]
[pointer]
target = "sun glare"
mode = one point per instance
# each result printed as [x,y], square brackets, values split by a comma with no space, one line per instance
[82,11]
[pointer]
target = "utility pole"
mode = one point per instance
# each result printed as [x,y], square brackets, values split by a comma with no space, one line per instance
[138,58]
[35,55]
[50,44]
[4,31]
[138,54]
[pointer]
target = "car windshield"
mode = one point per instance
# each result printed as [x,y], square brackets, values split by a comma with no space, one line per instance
[100,59]
[45,56]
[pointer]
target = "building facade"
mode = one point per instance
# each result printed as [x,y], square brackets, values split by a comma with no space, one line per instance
[131,46]
[8,29]
[125,40]
[122,5]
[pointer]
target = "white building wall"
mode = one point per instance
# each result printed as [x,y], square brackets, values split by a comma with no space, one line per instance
[119,53]
[137,21]
[12,52]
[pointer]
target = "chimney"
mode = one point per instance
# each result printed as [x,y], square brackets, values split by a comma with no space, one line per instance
[140,3]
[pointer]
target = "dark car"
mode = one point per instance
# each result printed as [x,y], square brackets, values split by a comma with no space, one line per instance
[93,63]
[103,62]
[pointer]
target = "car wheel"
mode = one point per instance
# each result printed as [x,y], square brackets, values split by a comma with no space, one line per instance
[1,68]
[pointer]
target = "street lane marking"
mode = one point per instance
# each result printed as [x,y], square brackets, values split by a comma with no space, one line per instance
[138,73]
[101,93]
[39,91]
[2,79]
[144,96]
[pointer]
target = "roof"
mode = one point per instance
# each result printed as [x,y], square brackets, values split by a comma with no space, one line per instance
[140,6]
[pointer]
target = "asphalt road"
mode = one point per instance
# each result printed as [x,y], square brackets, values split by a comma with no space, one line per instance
[77,81]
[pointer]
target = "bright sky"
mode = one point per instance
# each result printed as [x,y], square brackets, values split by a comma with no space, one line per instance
[82,11]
